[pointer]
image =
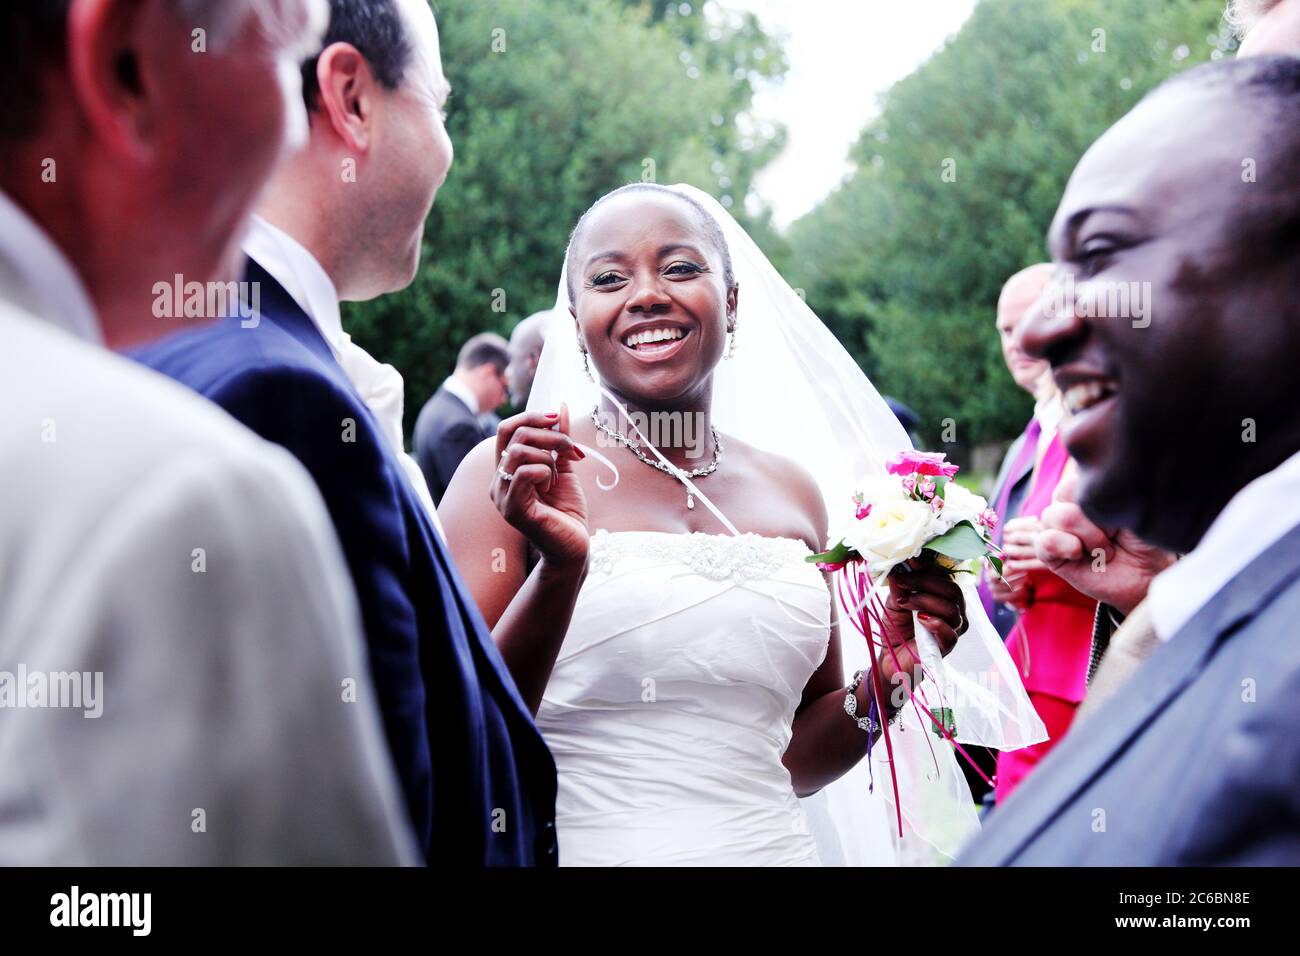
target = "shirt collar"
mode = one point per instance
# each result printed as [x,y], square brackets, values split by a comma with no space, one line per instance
[1254,520]
[296,269]
[1049,412]
[36,276]
[464,393]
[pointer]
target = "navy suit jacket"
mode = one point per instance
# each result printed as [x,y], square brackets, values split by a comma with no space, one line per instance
[478,778]
[1195,761]
[445,432]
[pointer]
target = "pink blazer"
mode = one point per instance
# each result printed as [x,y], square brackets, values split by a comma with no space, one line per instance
[1053,641]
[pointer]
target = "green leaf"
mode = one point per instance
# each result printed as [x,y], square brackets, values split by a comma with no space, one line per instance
[996,562]
[940,484]
[836,555]
[962,543]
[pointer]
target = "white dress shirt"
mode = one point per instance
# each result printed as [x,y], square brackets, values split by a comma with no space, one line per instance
[189,572]
[1254,520]
[380,386]
[1049,412]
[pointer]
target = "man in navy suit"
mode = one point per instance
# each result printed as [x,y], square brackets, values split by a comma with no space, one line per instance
[344,220]
[1175,344]
[451,423]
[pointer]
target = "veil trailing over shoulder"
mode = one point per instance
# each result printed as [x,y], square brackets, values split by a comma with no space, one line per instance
[793,390]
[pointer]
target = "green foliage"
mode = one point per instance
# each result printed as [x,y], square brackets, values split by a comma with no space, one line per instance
[555,103]
[906,267]
[961,543]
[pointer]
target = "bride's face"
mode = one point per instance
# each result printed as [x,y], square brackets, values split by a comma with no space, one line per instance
[650,299]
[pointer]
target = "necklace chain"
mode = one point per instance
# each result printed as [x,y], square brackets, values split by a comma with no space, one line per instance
[631,446]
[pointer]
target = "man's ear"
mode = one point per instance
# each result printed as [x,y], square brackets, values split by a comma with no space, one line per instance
[347,94]
[111,82]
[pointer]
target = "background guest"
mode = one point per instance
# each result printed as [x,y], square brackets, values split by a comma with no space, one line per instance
[448,427]
[906,417]
[1051,642]
[1018,294]
[526,343]
[1266,26]
[145,537]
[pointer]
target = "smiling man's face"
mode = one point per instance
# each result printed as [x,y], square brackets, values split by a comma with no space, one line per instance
[1186,210]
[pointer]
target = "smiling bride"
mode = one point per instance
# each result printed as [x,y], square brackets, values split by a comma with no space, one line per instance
[681,655]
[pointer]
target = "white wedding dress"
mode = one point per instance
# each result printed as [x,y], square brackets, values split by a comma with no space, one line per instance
[672,700]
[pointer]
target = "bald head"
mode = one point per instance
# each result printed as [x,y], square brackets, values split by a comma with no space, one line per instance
[1266,26]
[1019,293]
[526,343]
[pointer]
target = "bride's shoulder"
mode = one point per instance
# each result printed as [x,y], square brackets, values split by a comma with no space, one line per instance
[786,477]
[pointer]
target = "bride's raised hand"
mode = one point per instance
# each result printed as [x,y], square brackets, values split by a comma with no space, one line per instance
[535,487]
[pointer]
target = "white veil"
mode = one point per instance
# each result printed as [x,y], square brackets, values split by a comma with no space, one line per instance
[793,390]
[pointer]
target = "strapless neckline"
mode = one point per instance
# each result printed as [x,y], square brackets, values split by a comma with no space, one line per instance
[715,556]
[723,535]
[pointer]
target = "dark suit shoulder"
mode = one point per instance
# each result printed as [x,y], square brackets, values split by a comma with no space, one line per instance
[205,352]
[442,414]
[224,361]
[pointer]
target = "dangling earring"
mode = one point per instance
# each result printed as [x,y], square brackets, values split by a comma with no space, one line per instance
[731,346]
[585,367]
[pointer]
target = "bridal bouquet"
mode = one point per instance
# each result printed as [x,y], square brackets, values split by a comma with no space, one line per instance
[916,508]
[914,513]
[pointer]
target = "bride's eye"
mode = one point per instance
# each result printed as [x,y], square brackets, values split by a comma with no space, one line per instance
[606,278]
[682,269]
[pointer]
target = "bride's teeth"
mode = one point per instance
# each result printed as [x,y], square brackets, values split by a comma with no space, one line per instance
[653,335]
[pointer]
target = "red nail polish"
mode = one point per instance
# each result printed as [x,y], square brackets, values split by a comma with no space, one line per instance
[552,414]
[579,452]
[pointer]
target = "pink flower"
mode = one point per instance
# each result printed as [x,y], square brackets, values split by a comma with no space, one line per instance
[909,484]
[863,511]
[936,504]
[926,488]
[989,518]
[921,463]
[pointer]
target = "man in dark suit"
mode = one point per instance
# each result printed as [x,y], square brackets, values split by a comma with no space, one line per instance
[452,421]
[1175,344]
[478,779]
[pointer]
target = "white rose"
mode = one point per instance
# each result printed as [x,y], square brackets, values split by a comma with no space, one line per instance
[961,505]
[874,488]
[895,531]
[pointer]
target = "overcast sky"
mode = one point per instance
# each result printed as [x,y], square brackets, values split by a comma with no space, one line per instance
[842,53]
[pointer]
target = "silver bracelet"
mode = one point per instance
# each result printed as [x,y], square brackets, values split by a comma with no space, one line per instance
[867,724]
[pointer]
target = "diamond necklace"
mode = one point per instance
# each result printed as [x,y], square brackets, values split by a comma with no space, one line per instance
[631,446]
